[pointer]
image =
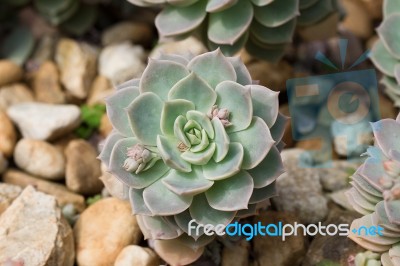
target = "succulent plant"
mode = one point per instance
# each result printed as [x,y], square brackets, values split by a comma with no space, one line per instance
[263,27]
[18,45]
[385,53]
[193,140]
[375,193]
[367,258]
[71,15]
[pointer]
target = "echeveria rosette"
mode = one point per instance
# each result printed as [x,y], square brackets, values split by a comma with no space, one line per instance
[385,53]
[375,192]
[193,140]
[263,27]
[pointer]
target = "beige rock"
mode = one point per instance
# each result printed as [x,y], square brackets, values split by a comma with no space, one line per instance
[105,126]
[83,169]
[101,88]
[77,64]
[9,72]
[238,254]
[357,19]
[8,136]
[127,31]
[273,76]
[114,186]
[187,47]
[60,192]
[138,256]
[103,230]
[33,231]
[272,251]
[386,107]
[8,193]
[14,94]
[46,84]
[121,62]
[44,121]
[374,8]
[40,158]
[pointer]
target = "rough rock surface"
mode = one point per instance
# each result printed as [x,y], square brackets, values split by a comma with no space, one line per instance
[137,256]
[8,193]
[46,84]
[14,94]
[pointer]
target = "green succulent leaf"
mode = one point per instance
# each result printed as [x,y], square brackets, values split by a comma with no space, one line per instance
[182,220]
[202,241]
[231,194]
[230,49]
[18,45]
[274,35]
[168,148]
[268,170]
[160,228]
[189,184]
[315,13]
[174,58]
[307,3]
[160,76]
[268,53]
[238,17]
[116,105]
[138,181]
[213,67]
[265,104]
[262,2]
[156,195]
[237,99]
[386,134]
[262,194]
[81,21]
[242,74]
[199,158]
[105,155]
[390,7]
[278,128]
[137,202]
[203,120]
[194,89]
[382,59]
[203,213]
[269,16]
[229,166]
[389,35]
[221,140]
[145,121]
[171,110]
[180,20]
[256,141]
[219,5]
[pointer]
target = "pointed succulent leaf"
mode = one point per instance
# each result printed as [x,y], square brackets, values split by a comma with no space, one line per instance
[274,35]
[262,2]
[237,100]
[229,166]
[180,20]
[221,140]
[238,17]
[160,228]
[382,59]
[18,45]
[156,195]
[138,181]
[171,155]
[179,133]
[145,121]
[265,104]
[230,49]
[174,58]
[250,211]
[242,74]
[268,53]
[256,141]
[386,134]
[359,200]
[203,120]
[81,21]
[171,110]
[219,5]
[277,13]
[203,213]
[315,13]
[231,194]
[307,3]
[278,129]
[183,183]
[199,158]
[372,171]
[213,67]
[389,35]
[115,109]
[262,194]
[137,202]
[183,219]
[268,170]
[392,208]
[105,155]
[160,76]
[174,252]
[189,241]
[133,84]
[194,89]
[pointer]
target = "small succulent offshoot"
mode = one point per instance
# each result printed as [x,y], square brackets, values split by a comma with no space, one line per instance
[193,139]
